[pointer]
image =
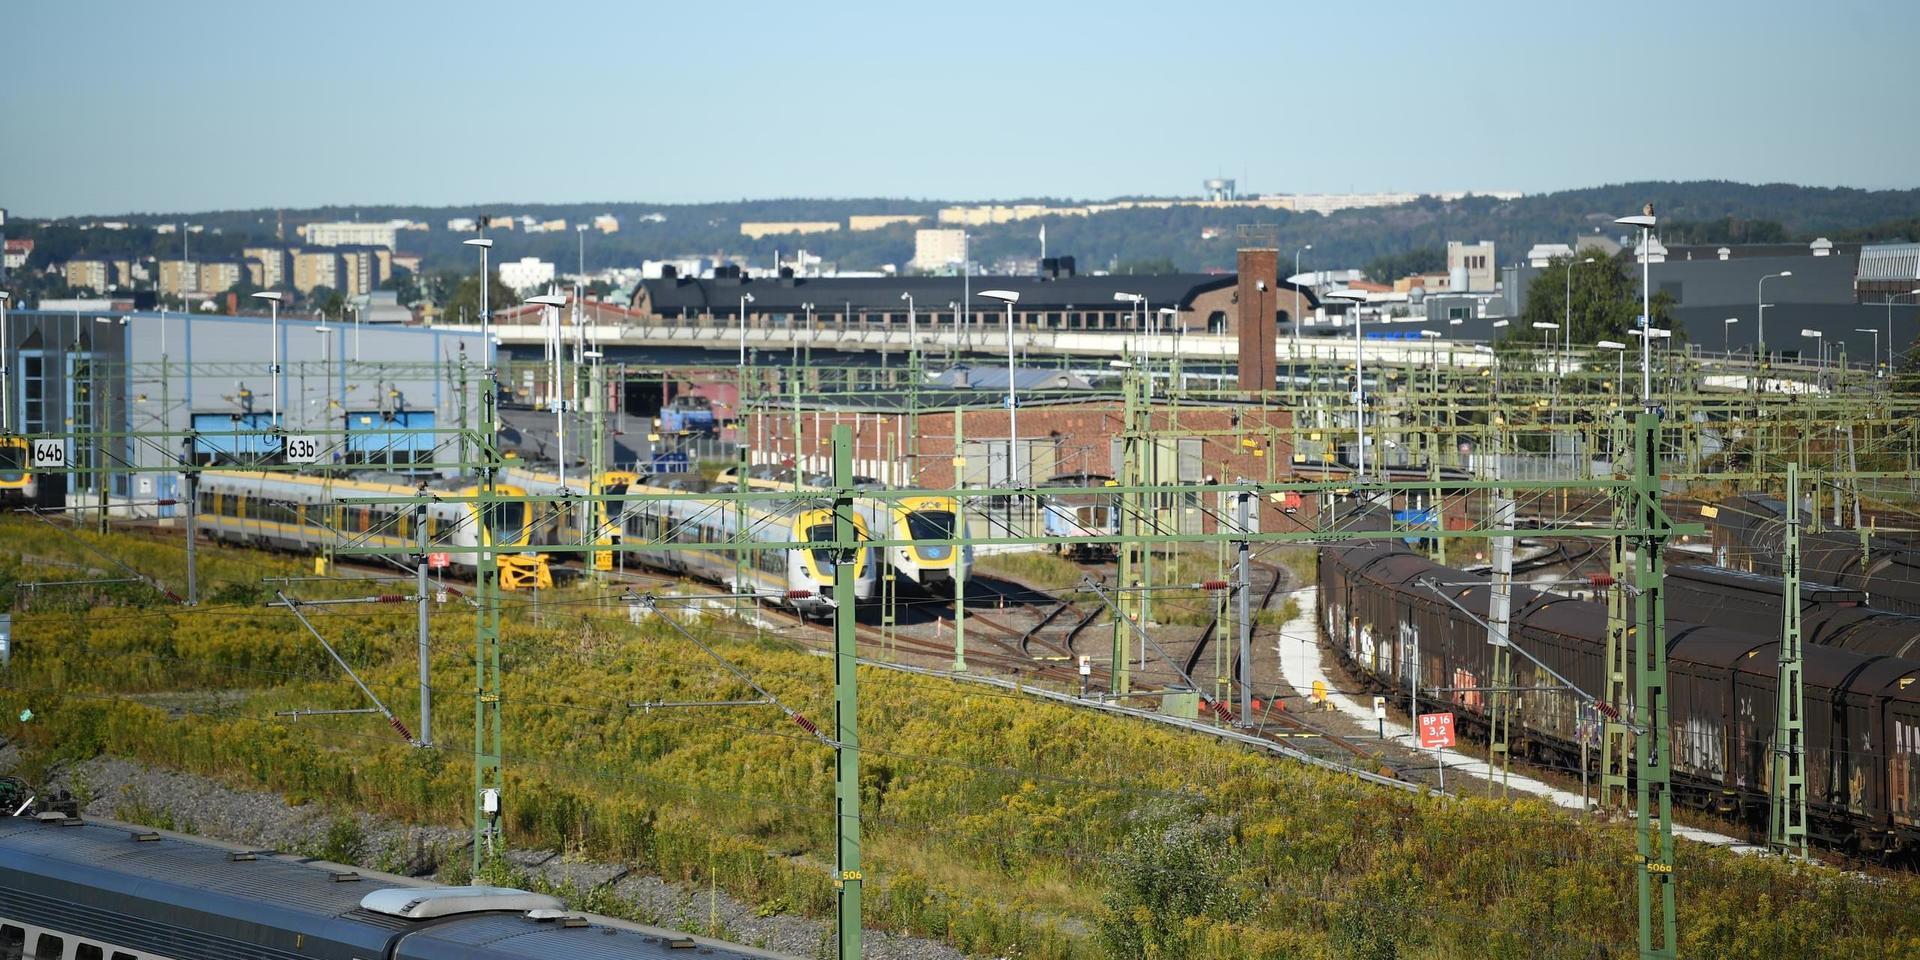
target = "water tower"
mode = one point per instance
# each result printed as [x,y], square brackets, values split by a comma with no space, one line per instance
[1219,188]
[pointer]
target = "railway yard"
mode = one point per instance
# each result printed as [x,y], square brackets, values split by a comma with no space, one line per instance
[1198,672]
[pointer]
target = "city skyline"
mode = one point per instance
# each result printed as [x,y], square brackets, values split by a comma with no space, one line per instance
[408,105]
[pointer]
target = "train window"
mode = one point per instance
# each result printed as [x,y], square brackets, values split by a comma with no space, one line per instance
[118,955]
[49,947]
[87,951]
[930,524]
[12,941]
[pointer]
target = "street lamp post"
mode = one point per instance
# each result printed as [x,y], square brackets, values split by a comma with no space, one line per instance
[1354,299]
[1138,301]
[1646,223]
[486,315]
[913,342]
[1726,335]
[1620,373]
[1760,299]
[745,299]
[1876,345]
[1010,297]
[6,373]
[1567,335]
[1820,344]
[1546,328]
[274,298]
[326,372]
[1296,296]
[1910,293]
[1170,317]
[553,302]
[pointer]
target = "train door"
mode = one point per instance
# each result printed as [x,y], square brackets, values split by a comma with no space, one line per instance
[1903,764]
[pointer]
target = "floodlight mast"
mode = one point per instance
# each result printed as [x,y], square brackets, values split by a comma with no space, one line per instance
[6,379]
[1646,223]
[554,301]
[274,298]
[486,287]
[1010,297]
[1354,299]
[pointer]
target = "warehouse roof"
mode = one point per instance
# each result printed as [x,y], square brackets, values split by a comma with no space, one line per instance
[833,295]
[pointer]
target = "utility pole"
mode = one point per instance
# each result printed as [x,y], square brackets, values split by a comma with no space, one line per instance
[488,778]
[1499,617]
[1616,747]
[193,516]
[1127,612]
[1787,820]
[420,588]
[740,538]
[597,465]
[1245,587]
[846,702]
[963,559]
[1652,752]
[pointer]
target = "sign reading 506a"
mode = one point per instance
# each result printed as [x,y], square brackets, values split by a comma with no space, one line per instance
[49,454]
[303,449]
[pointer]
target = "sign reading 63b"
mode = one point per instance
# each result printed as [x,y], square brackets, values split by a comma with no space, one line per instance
[303,449]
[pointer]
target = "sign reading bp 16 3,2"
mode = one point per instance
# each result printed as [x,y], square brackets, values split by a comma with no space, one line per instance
[1436,730]
[302,449]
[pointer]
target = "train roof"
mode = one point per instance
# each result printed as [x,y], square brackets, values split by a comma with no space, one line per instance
[1891,677]
[517,937]
[1724,649]
[1748,581]
[1866,630]
[197,897]
[172,876]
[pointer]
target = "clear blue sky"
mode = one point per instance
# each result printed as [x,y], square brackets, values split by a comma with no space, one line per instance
[110,107]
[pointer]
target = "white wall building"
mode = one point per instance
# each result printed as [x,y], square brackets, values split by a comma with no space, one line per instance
[683,266]
[527,273]
[936,249]
[348,234]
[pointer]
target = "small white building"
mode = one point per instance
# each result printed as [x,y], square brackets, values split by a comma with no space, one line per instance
[350,234]
[527,273]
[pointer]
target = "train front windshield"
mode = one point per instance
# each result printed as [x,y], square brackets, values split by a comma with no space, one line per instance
[1092,511]
[13,461]
[823,556]
[930,525]
[615,509]
[507,521]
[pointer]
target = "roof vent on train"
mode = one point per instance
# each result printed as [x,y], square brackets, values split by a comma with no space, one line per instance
[426,903]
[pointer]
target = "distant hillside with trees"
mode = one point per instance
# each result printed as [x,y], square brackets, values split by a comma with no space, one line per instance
[1387,239]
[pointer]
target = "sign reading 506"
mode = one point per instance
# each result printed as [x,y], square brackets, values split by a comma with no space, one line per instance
[303,449]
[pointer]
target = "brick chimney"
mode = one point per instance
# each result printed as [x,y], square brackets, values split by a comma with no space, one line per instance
[1259,298]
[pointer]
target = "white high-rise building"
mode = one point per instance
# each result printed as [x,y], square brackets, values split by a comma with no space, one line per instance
[527,273]
[936,249]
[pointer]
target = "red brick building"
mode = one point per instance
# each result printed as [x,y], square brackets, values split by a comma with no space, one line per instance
[1216,443]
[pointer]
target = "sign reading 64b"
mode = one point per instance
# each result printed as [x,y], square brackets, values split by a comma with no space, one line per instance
[303,449]
[49,454]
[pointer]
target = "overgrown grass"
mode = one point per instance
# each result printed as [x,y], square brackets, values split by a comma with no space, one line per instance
[1043,571]
[1003,825]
